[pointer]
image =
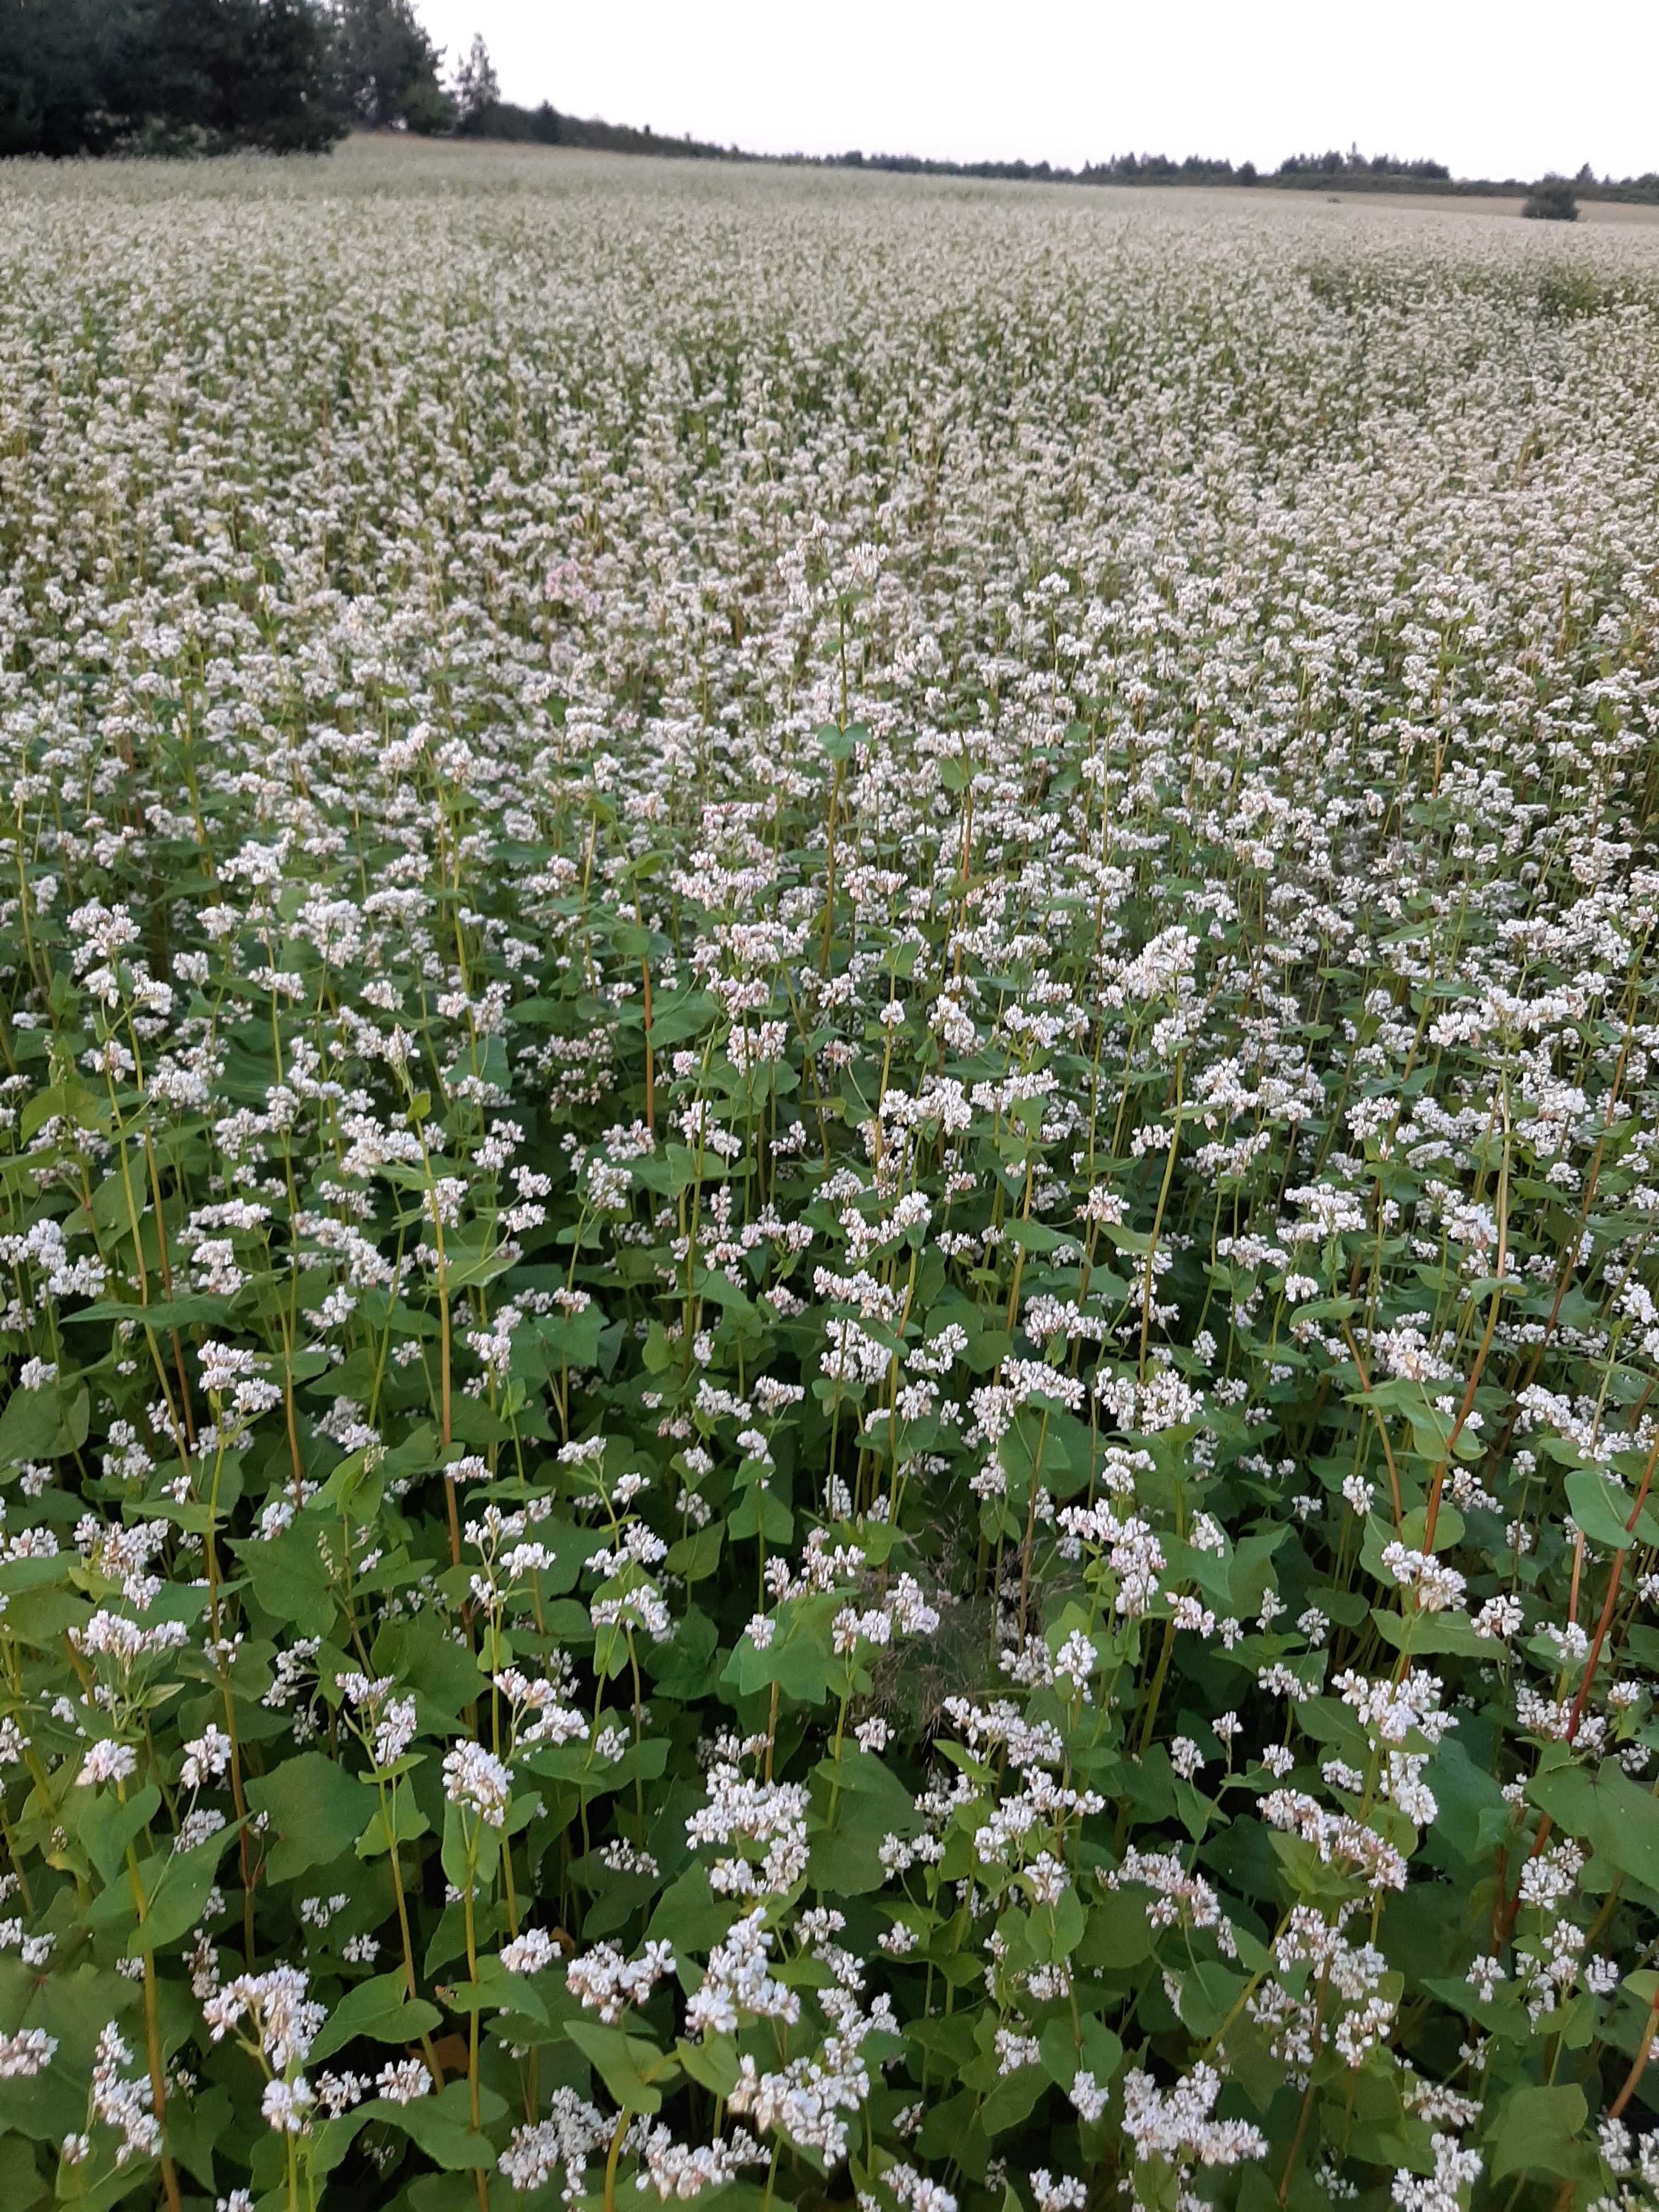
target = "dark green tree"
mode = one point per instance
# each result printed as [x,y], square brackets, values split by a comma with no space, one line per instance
[288,101]
[1552,200]
[476,92]
[226,73]
[83,76]
[60,61]
[386,66]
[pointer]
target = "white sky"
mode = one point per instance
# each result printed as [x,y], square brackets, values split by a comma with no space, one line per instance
[1494,87]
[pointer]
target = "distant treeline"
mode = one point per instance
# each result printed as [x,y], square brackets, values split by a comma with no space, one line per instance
[100,77]
[1379,170]
[1353,172]
[546,126]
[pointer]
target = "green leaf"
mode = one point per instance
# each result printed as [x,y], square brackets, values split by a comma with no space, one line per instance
[195,2126]
[690,1915]
[178,1894]
[628,2066]
[160,1313]
[1033,1237]
[67,1100]
[407,1817]
[798,1659]
[42,1424]
[106,1826]
[497,1990]
[1418,1631]
[713,2063]
[696,1556]
[1472,1813]
[759,1511]
[1208,1993]
[1057,1928]
[1065,2056]
[1601,1508]
[443,1673]
[289,1578]
[21,2182]
[1607,1810]
[873,1804]
[381,2011]
[441,2126]
[316,1809]
[471,1850]
[1534,2129]
[1010,2099]
[1116,1935]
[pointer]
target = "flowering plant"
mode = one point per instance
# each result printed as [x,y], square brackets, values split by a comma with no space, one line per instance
[827,1187]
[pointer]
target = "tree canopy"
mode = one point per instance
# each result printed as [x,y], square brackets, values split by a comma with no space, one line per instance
[387,67]
[89,76]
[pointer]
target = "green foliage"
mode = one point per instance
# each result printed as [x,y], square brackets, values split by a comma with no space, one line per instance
[828,1132]
[387,67]
[474,93]
[1552,200]
[89,76]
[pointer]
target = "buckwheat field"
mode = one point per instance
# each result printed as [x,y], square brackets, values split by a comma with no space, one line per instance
[828,1193]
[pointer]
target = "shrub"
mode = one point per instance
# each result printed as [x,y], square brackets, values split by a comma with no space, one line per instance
[1552,200]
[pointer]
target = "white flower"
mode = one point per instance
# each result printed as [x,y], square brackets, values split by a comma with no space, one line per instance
[529,1953]
[476,1780]
[609,1983]
[565,2138]
[29,2052]
[401,2081]
[287,2105]
[107,1761]
[1087,2095]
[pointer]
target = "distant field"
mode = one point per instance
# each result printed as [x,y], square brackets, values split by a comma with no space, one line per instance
[1394,204]
[381,163]
[828,1171]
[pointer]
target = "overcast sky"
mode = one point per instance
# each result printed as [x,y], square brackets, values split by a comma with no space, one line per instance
[1494,87]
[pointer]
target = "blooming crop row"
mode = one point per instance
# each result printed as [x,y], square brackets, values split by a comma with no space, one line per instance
[827,1191]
